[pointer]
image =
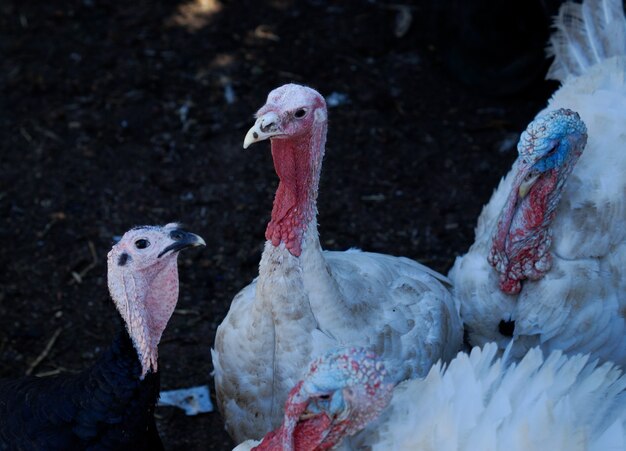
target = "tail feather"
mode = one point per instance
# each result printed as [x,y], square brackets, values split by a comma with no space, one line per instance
[585,35]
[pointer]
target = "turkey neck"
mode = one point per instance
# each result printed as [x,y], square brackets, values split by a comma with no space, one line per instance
[121,363]
[145,300]
[106,406]
[297,162]
[294,279]
[522,237]
[116,376]
[121,397]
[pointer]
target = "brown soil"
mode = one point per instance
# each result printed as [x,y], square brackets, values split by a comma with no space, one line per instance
[118,113]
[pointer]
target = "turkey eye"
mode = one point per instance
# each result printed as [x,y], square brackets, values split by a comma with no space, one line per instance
[531,175]
[142,244]
[552,151]
[299,114]
[325,397]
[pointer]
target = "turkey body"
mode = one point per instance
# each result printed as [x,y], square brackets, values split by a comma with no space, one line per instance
[276,325]
[106,407]
[306,300]
[579,305]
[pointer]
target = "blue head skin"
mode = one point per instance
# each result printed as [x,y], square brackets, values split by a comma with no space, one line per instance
[341,393]
[548,151]
[551,139]
[344,380]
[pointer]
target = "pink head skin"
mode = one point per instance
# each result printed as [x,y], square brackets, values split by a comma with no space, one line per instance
[548,151]
[143,282]
[342,392]
[294,118]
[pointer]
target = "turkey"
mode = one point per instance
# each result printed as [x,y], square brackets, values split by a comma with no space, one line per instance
[306,300]
[547,267]
[477,403]
[109,406]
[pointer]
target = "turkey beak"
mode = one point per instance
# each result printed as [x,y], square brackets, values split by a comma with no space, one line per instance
[527,182]
[182,240]
[265,127]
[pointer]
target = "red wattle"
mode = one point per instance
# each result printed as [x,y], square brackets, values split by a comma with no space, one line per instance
[528,240]
[303,435]
[293,207]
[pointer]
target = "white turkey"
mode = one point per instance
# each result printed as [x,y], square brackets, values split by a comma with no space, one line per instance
[477,403]
[306,300]
[548,267]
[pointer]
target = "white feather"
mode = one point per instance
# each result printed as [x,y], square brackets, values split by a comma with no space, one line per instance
[478,403]
[587,34]
[299,308]
[580,304]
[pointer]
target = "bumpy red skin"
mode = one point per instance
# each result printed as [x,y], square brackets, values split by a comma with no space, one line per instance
[297,150]
[366,388]
[551,145]
[528,240]
[293,206]
[308,435]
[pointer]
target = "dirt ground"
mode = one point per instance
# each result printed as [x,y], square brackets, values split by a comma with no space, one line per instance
[118,113]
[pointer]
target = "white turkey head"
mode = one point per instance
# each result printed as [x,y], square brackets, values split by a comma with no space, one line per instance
[294,118]
[548,151]
[143,282]
[341,393]
[291,111]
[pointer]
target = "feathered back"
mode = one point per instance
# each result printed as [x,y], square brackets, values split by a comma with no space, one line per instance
[478,403]
[585,35]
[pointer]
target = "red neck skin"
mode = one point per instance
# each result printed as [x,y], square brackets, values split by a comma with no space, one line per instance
[522,241]
[297,162]
[309,435]
[294,435]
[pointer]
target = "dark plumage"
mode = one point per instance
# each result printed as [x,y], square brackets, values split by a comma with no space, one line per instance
[105,407]
[109,406]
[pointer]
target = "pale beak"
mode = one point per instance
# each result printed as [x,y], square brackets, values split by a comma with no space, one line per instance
[526,184]
[265,127]
[307,415]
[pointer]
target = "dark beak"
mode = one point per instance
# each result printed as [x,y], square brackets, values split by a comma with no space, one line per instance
[182,240]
